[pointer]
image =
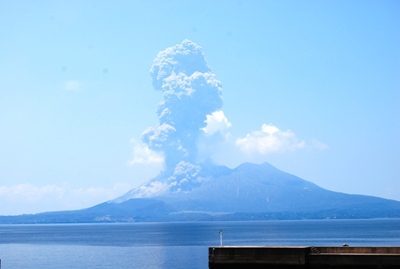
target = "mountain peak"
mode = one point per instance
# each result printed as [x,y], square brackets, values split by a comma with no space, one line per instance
[209,192]
[247,188]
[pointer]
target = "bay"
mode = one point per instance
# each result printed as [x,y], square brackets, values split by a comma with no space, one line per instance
[175,244]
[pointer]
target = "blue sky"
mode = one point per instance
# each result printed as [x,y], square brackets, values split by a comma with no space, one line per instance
[312,87]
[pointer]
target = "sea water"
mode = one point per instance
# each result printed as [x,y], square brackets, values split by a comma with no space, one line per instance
[174,245]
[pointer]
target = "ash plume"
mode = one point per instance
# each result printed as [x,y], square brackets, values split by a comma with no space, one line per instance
[193,127]
[190,92]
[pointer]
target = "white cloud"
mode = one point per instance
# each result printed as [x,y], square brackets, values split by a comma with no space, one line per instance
[216,122]
[269,139]
[143,155]
[319,145]
[29,199]
[72,85]
[258,146]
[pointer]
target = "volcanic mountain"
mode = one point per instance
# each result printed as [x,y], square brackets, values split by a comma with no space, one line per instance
[190,119]
[210,192]
[254,189]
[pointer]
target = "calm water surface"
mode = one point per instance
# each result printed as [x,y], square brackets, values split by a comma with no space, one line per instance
[173,245]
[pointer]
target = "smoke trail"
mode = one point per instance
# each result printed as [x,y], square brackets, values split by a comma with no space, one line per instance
[193,126]
[191,92]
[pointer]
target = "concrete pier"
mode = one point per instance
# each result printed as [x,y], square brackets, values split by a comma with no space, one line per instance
[286,257]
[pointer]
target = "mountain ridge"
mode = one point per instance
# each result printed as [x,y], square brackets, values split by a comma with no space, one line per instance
[209,192]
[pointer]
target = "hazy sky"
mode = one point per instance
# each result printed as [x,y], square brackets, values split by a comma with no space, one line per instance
[312,87]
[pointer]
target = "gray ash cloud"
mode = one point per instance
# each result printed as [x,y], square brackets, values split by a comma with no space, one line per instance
[190,92]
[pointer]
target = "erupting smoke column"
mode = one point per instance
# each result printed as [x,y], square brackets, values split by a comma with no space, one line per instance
[191,92]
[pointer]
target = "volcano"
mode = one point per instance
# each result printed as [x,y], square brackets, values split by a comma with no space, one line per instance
[191,122]
[211,192]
